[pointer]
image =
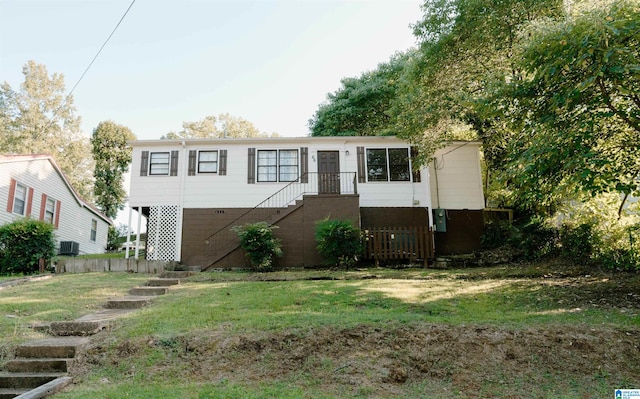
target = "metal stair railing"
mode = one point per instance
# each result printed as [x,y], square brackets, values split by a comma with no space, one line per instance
[269,210]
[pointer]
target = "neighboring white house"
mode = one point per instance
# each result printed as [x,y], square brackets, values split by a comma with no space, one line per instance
[34,186]
[192,190]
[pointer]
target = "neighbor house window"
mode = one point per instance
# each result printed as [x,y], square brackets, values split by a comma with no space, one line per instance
[388,164]
[94,229]
[208,162]
[49,210]
[277,165]
[159,163]
[20,199]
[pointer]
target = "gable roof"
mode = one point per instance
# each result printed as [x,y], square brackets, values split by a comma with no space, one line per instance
[15,158]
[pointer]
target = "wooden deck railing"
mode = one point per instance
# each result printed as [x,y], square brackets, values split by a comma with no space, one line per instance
[414,243]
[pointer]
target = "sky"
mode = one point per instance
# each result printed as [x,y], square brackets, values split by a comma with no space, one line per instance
[271,62]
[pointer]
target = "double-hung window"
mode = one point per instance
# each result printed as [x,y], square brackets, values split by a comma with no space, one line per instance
[388,164]
[207,161]
[94,229]
[278,165]
[49,210]
[20,199]
[159,163]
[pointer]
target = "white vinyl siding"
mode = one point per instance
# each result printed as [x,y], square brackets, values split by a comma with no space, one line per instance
[43,182]
[234,191]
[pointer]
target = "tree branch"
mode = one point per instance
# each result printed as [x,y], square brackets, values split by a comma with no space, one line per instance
[622,115]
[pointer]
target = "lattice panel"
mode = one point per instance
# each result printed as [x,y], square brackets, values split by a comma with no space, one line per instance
[162,235]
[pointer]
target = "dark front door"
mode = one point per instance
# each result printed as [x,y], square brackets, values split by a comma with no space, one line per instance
[328,172]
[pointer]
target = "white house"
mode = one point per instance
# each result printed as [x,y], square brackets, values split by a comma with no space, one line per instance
[34,186]
[193,191]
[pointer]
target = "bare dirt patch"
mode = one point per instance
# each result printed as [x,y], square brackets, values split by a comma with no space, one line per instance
[434,359]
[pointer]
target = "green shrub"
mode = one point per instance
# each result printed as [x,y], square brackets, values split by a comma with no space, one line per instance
[578,242]
[338,242]
[497,234]
[538,239]
[602,233]
[260,245]
[23,243]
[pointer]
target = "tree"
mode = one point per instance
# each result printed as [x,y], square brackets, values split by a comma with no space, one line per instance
[361,106]
[39,118]
[223,125]
[112,155]
[466,53]
[579,105]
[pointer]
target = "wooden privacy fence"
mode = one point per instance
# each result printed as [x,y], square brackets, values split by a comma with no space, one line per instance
[392,243]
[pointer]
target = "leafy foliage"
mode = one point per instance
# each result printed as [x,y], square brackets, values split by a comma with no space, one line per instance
[23,243]
[112,155]
[38,118]
[221,126]
[600,231]
[578,106]
[260,245]
[339,242]
[114,240]
[361,107]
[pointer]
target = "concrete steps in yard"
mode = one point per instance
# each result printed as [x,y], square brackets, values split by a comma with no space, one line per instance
[148,291]
[128,302]
[40,367]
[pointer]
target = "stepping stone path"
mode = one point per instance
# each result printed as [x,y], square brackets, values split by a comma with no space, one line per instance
[40,367]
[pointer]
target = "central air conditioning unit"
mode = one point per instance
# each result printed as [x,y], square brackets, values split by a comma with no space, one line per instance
[69,248]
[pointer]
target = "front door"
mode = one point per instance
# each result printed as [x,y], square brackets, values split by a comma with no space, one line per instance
[328,172]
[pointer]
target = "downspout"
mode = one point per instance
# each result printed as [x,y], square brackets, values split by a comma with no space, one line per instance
[185,160]
[435,174]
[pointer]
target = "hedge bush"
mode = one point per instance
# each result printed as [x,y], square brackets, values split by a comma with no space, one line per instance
[260,245]
[339,242]
[23,243]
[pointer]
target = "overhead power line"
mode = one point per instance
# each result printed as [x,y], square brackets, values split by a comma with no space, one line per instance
[90,64]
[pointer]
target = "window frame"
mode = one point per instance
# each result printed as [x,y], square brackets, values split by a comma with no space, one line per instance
[276,166]
[390,170]
[199,162]
[25,189]
[152,164]
[53,203]
[93,235]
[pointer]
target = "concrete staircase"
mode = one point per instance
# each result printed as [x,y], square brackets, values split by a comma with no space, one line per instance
[40,367]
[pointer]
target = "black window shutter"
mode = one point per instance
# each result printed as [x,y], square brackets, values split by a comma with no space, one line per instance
[192,162]
[144,163]
[417,178]
[304,165]
[362,175]
[222,168]
[174,164]
[251,166]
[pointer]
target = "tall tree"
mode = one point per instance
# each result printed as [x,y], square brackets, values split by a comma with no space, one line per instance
[39,118]
[361,106]
[112,155]
[466,53]
[579,104]
[223,125]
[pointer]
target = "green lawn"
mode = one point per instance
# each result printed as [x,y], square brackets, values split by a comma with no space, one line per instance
[523,332]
